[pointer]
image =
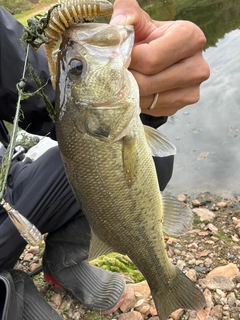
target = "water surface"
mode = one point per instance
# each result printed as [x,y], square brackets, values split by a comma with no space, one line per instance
[207,134]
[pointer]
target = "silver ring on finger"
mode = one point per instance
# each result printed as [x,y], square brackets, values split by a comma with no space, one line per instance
[155,99]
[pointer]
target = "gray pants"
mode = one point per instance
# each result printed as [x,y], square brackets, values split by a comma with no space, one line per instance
[40,191]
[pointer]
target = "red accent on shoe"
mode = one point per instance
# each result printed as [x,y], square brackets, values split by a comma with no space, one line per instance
[51,280]
[117,305]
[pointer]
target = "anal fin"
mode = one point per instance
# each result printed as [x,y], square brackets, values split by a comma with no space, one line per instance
[178,217]
[97,247]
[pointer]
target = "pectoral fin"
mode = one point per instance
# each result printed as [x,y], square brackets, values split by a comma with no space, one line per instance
[159,145]
[178,217]
[97,247]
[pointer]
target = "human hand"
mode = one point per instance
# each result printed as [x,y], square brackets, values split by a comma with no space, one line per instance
[166,59]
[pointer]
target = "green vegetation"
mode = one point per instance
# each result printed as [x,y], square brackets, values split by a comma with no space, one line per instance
[24,16]
[94,316]
[222,236]
[215,18]
[116,262]
[48,295]
[64,310]
[36,9]
[39,278]
[25,9]
[16,6]
[197,221]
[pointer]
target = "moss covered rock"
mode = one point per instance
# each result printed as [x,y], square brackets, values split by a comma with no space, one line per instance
[116,262]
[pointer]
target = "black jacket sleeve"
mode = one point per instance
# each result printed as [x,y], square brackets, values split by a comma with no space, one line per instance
[12,57]
[151,121]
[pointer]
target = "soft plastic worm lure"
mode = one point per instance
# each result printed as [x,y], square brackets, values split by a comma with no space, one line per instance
[26,229]
[49,29]
[71,12]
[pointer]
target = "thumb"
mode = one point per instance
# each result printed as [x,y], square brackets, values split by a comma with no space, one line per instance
[129,12]
[124,11]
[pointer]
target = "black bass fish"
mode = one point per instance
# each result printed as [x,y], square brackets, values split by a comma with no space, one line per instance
[107,153]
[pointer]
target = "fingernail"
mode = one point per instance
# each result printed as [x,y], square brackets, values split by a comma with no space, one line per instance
[118,19]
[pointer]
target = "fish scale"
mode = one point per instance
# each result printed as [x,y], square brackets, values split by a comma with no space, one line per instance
[103,194]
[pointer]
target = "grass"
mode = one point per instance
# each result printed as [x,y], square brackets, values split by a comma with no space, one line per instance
[94,316]
[38,9]
[197,221]
[220,235]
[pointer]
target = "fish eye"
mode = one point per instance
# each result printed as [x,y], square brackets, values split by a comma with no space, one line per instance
[76,67]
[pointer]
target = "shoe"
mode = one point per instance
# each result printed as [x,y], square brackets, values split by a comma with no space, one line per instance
[21,299]
[65,266]
[8,299]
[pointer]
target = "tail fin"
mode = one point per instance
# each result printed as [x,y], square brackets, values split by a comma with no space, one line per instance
[182,294]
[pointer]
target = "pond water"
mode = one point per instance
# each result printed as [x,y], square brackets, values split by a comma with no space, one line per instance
[207,134]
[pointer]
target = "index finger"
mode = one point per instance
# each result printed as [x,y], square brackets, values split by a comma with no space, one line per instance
[169,43]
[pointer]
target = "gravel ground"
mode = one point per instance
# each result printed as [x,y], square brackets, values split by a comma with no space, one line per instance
[209,255]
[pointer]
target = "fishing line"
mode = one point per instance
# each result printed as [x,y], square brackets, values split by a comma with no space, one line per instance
[10,150]
[26,229]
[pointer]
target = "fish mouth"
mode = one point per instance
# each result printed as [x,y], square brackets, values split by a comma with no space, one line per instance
[125,32]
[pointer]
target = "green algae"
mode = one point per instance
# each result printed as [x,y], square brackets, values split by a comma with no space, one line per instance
[118,263]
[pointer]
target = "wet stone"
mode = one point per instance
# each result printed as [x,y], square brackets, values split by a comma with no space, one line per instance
[208,262]
[216,312]
[219,282]
[231,299]
[33,266]
[229,271]
[192,261]
[56,299]
[133,315]
[28,257]
[182,198]
[238,277]
[208,297]
[199,269]
[181,264]
[34,250]
[196,203]
[222,204]
[129,300]
[192,275]
[203,315]
[141,287]
[176,315]
[204,214]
